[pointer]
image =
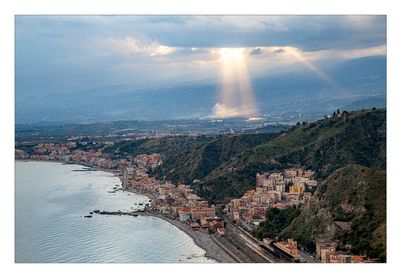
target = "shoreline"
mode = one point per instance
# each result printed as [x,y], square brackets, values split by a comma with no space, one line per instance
[200,238]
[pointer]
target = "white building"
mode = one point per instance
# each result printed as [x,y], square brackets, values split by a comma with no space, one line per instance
[184,214]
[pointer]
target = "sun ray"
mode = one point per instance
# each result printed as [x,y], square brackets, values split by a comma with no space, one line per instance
[236,97]
[295,53]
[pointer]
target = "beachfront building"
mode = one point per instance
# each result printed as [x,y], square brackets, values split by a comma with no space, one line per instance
[202,212]
[184,214]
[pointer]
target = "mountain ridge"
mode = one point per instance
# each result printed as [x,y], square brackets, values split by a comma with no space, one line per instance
[302,92]
[322,146]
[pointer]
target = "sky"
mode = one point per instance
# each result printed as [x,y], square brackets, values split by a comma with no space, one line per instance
[62,54]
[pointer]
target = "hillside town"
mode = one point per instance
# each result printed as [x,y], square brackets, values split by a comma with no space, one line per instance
[278,190]
[290,187]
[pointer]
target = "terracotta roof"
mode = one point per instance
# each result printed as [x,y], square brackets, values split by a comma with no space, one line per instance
[184,210]
[279,205]
[358,258]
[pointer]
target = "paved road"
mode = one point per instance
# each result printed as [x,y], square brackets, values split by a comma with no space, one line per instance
[305,258]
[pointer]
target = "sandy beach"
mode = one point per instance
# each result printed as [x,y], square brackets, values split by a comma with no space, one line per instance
[201,238]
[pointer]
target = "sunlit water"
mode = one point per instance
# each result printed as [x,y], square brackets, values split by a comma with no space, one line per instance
[51,200]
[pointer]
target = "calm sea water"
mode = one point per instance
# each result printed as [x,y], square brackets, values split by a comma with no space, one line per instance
[51,200]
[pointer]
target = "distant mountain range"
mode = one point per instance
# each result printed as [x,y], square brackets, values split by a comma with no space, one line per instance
[296,95]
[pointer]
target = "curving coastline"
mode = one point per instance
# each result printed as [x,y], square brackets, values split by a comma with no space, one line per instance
[200,238]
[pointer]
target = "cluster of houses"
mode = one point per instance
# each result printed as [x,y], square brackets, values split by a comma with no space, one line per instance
[68,152]
[293,186]
[327,252]
[175,201]
[148,161]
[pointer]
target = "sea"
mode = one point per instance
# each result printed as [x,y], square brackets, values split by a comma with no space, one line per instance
[51,200]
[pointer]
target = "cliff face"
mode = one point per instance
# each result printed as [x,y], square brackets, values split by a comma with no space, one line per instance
[349,206]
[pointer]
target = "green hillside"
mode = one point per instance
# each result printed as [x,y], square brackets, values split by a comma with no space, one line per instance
[167,146]
[354,197]
[322,146]
[226,165]
[199,160]
[187,158]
